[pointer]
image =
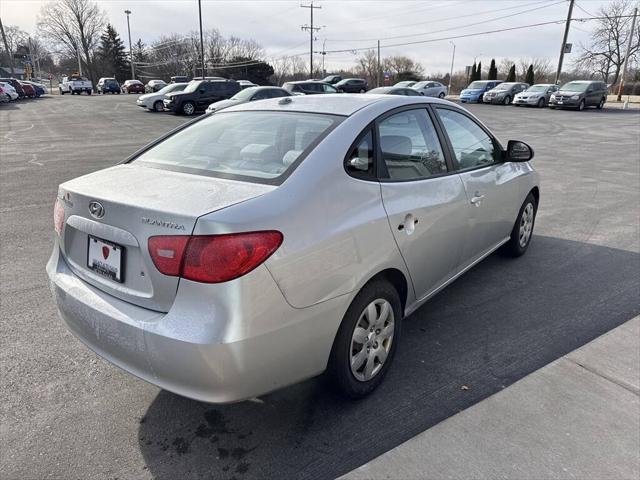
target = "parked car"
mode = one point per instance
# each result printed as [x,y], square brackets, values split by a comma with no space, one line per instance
[199,94]
[4,95]
[154,86]
[246,84]
[580,94]
[108,85]
[15,84]
[332,79]
[242,205]
[180,79]
[39,87]
[155,101]
[429,88]
[504,93]
[75,84]
[406,91]
[536,95]
[352,85]
[249,95]
[309,87]
[406,83]
[132,86]
[29,91]
[474,92]
[9,91]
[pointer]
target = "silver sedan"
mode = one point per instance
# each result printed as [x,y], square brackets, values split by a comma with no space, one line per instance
[280,239]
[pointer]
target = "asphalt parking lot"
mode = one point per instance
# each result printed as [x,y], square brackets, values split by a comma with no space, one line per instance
[65,413]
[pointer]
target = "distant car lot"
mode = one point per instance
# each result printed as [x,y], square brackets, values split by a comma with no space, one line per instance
[69,414]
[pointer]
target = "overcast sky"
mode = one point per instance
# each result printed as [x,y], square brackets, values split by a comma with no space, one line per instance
[351,24]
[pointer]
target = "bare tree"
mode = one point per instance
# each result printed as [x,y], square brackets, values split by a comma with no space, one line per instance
[605,53]
[367,66]
[75,26]
[542,69]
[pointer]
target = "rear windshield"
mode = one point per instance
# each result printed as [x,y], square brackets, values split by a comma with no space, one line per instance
[263,147]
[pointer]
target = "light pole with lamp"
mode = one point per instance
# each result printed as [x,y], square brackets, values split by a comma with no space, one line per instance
[453,56]
[133,71]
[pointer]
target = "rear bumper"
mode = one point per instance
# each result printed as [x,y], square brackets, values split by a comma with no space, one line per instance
[202,349]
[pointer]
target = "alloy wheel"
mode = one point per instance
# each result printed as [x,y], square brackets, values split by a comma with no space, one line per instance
[371,340]
[188,109]
[526,225]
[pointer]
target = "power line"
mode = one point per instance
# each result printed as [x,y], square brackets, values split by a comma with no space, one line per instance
[453,37]
[469,24]
[438,20]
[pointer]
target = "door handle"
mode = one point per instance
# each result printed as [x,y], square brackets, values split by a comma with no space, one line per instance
[477,199]
[409,224]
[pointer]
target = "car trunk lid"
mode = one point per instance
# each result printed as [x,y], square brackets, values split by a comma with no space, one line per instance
[112,213]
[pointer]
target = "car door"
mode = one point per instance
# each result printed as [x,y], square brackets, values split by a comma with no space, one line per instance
[490,184]
[425,202]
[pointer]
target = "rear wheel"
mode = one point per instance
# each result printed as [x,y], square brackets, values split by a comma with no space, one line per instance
[523,228]
[365,345]
[601,104]
[541,103]
[362,90]
[158,106]
[188,108]
[88,92]
[441,95]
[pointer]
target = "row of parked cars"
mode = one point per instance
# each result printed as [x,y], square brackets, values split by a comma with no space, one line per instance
[13,89]
[578,94]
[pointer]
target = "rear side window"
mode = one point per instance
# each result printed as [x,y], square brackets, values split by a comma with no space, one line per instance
[410,147]
[262,147]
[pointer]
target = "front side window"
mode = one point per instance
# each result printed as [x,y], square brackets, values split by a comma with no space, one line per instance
[253,146]
[472,146]
[359,160]
[410,146]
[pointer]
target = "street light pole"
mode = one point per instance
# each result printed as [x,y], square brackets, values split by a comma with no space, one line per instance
[133,71]
[201,39]
[453,56]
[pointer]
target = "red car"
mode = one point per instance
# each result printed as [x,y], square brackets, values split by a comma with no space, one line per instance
[29,91]
[133,86]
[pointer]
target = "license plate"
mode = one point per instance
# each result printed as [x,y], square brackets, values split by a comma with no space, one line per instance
[105,258]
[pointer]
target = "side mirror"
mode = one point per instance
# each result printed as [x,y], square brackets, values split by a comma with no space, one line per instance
[518,151]
[590,90]
[358,163]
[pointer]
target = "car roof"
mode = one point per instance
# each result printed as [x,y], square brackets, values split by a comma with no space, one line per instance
[333,103]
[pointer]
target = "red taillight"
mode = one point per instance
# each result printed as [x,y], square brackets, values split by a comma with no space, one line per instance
[212,258]
[58,216]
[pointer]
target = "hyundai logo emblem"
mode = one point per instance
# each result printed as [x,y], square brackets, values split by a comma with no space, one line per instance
[96,210]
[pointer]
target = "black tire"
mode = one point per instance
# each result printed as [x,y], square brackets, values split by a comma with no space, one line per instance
[339,373]
[601,104]
[61,91]
[158,106]
[514,247]
[88,92]
[582,105]
[188,108]
[441,95]
[480,99]
[507,100]
[541,103]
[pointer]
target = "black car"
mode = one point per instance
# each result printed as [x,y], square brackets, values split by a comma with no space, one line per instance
[580,94]
[309,87]
[408,92]
[16,85]
[332,79]
[352,85]
[199,94]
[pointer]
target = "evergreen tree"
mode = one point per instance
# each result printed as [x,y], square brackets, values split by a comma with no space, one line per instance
[111,55]
[511,77]
[139,54]
[472,77]
[493,71]
[479,71]
[530,77]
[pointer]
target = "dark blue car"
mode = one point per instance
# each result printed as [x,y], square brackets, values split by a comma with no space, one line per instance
[39,88]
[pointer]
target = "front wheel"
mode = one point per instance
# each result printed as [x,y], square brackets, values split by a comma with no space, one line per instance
[601,104]
[581,105]
[366,341]
[541,103]
[158,106]
[88,92]
[188,108]
[441,95]
[507,100]
[523,228]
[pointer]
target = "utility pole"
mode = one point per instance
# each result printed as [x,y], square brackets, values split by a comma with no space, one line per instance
[79,62]
[31,62]
[6,47]
[133,71]
[626,56]
[201,39]
[564,41]
[453,56]
[311,29]
[379,67]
